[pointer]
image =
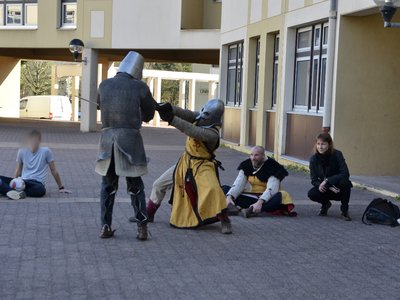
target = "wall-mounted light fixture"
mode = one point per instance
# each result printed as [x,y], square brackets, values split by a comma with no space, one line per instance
[76,47]
[388,9]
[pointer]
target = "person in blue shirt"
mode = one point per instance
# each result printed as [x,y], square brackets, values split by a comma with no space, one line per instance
[33,164]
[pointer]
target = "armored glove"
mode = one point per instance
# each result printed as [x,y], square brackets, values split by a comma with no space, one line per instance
[166,112]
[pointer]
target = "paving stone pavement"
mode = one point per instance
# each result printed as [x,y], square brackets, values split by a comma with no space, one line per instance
[49,248]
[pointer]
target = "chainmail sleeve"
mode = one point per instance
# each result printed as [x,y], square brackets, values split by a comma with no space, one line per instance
[208,135]
[185,114]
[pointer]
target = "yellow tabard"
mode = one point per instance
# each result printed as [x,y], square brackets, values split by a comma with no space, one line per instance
[258,187]
[211,198]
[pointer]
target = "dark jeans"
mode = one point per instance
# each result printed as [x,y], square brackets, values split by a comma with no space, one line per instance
[109,187]
[273,204]
[33,188]
[344,195]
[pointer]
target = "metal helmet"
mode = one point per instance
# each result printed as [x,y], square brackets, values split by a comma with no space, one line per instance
[132,64]
[211,113]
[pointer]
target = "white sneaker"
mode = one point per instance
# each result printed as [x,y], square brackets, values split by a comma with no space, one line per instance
[15,195]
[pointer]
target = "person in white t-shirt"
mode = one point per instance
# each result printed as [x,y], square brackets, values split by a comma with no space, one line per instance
[33,164]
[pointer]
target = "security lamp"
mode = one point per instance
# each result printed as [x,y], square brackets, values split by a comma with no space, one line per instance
[388,9]
[76,47]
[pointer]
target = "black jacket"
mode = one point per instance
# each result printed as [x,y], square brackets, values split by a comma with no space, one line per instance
[331,166]
[270,168]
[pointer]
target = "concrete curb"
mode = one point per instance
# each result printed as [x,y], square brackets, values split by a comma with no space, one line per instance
[285,161]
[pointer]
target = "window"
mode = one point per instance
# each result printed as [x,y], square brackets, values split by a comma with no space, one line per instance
[1,14]
[31,14]
[14,14]
[18,13]
[68,13]
[257,72]
[275,71]
[310,68]
[235,74]
[23,103]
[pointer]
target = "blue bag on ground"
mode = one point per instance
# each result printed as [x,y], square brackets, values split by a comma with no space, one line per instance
[381,211]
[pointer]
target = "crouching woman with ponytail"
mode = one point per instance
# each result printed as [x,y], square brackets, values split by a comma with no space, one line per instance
[330,176]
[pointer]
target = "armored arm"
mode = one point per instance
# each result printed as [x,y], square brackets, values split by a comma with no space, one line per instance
[208,135]
[185,114]
[147,107]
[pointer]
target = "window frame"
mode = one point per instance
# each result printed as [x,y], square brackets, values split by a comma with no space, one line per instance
[315,54]
[4,4]
[8,4]
[275,70]
[2,15]
[26,14]
[257,72]
[236,64]
[64,4]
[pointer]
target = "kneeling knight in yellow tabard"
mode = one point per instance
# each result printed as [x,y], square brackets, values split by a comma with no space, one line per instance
[197,197]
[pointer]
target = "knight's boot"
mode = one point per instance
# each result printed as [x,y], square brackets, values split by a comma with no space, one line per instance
[151,210]
[226,226]
[142,232]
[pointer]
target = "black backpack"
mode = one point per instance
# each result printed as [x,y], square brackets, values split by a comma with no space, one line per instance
[381,211]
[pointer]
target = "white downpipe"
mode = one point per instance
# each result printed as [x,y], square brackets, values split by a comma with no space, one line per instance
[326,122]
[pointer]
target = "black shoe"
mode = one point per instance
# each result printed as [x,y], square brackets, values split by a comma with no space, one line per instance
[232,210]
[346,216]
[324,208]
[106,232]
[142,232]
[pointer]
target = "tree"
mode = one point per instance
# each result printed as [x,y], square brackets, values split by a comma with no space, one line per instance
[170,88]
[35,78]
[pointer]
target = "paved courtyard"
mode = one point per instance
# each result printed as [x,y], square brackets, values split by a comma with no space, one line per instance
[49,248]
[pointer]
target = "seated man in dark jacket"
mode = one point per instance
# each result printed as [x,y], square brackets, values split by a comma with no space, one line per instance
[263,175]
[329,176]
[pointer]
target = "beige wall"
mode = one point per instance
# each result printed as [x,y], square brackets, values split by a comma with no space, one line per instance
[156,24]
[367,108]
[10,70]
[49,35]
[211,14]
[234,14]
[192,14]
[201,14]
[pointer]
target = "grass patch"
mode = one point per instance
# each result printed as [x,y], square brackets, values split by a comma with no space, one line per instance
[397,198]
[297,168]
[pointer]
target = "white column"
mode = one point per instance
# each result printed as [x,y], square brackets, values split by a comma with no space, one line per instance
[330,66]
[75,99]
[192,94]
[157,97]
[89,90]
[182,93]
[247,91]
[212,90]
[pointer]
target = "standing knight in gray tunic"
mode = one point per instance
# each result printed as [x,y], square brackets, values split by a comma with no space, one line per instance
[125,102]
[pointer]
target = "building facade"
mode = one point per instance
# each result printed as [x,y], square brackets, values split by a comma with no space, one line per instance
[274,80]
[171,31]
[285,71]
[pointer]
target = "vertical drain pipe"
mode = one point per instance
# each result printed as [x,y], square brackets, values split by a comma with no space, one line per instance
[326,121]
